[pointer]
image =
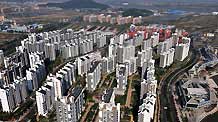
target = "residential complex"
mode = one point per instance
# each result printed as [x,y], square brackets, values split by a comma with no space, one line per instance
[112,19]
[91,60]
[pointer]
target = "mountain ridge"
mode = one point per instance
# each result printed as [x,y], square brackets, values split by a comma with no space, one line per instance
[156,1]
[77,4]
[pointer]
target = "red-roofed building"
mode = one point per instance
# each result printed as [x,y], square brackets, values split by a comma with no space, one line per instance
[161,35]
[132,34]
[167,33]
[145,34]
[185,34]
[180,40]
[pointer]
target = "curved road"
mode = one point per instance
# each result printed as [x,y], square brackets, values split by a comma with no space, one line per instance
[167,110]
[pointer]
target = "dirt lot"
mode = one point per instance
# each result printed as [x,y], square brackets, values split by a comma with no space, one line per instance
[45,16]
[203,23]
[5,37]
[8,42]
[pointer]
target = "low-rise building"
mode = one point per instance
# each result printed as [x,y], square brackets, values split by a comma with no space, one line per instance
[193,93]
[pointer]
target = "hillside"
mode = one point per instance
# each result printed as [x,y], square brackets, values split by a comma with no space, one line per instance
[77,4]
[136,12]
[160,3]
[157,1]
[21,1]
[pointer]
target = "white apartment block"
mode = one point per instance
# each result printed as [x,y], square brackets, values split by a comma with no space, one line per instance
[138,38]
[58,87]
[175,38]
[7,99]
[85,46]
[13,94]
[93,76]
[1,58]
[108,64]
[83,64]
[22,82]
[112,50]
[69,108]
[146,110]
[121,76]
[182,49]
[148,70]
[35,75]
[71,69]
[16,92]
[151,63]
[125,53]
[32,81]
[144,56]
[86,18]
[101,41]
[148,86]
[181,52]
[115,40]
[150,74]
[146,44]
[63,75]
[131,64]
[45,99]
[108,110]
[163,59]
[41,102]
[155,39]
[34,58]
[165,46]
[170,56]
[50,51]
[63,79]
[69,50]
[121,38]
[66,51]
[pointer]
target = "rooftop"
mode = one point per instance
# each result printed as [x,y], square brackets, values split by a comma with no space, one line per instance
[197,91]
[94,66]
[42,91]
[107,95]
[76,92]
[47,86]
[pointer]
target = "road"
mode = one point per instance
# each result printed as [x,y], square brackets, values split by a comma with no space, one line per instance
[167,111]
[90,104]
[31,109]
[129,94]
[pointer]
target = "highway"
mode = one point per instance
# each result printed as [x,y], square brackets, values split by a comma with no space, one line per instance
[167,110]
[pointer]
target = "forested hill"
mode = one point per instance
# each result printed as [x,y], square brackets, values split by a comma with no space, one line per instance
[77,4]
